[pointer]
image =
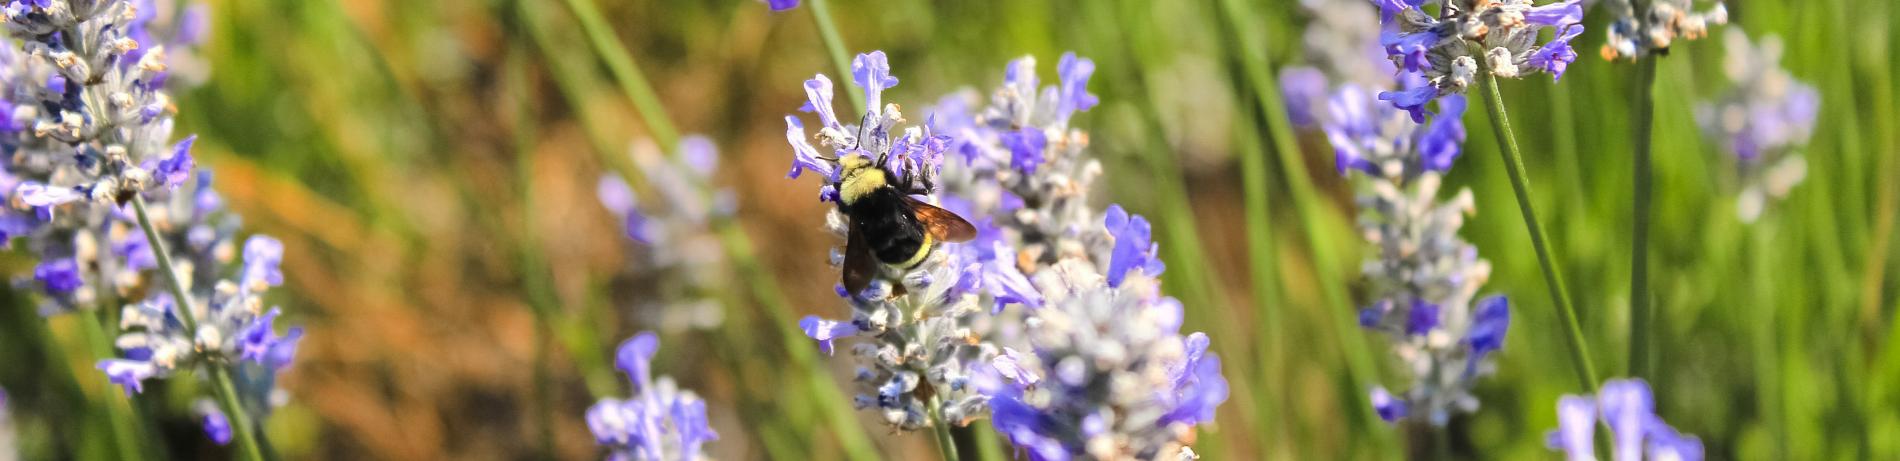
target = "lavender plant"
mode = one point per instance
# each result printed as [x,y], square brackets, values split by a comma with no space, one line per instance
[89,123]
[1019,171]
[1634,34]
[917,349]
[89,137]
[659,422]
[678,250]
[1764,121]
[1093,367]
[1445,49]
[1636,432]
[1423,278]
[1440,56]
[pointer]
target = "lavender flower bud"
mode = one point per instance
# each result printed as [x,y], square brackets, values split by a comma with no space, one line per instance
[1634,34]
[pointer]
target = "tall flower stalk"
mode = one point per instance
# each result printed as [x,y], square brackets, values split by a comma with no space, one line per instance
[739,248]
[1643,31]
[90,132]
[1473,42]
[1423,277]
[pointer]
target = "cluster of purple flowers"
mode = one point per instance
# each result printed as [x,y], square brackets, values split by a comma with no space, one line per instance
[1636,432]
[659,422]
[233,329]
[1019,172]
[677,248]
[1424,278]
[917,346]
[1764,121]
[1443,50]
[1094,367]
[87,128]
[1634,34]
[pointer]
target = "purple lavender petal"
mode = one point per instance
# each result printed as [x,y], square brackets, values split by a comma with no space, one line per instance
[872,72]
[825,331]
[1389,409]
[635,358]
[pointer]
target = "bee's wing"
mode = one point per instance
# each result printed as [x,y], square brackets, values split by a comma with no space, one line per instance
[858,263]
[941,223]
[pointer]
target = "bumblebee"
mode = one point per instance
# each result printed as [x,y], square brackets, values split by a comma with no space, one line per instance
[887,224]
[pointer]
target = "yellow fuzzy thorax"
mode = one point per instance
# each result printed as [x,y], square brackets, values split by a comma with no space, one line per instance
[859,179]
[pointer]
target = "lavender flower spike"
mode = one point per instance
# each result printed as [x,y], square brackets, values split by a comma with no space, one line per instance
[659,422]
[1764,122]
[1110,377]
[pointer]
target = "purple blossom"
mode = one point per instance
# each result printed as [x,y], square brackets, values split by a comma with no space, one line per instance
[1302,87]
[1444,139]
[130,374]
[635,358]
[781,5]
[1409,48]
[1411,100]
[1025,148]
[660,421]
[826,331]
[1422,319]
[1488,325]
[804,156]
[216,425]
[1134,246]
[1628,408]
[818,93]
[262,256]
[1389,409]
[58,277]
[1073,94]
[872,73]
[1554,57]
[260,343]
[1576,427]
[175,170]
[41,195]
[1558,14]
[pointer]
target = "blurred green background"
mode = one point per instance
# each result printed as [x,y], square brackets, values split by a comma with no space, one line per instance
[430,166]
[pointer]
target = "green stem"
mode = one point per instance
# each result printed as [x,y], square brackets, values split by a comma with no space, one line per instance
[945,446]
[1768,384]
[243,431]
[1642,314]
[1310,208]
[834,46]
[1520,184]
[837,409]
[626,72]
[540,296]
[124,427]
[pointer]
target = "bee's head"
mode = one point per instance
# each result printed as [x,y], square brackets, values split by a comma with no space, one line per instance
[858,178]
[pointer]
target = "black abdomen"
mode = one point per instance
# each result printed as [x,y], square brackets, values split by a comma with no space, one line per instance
[888,226]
